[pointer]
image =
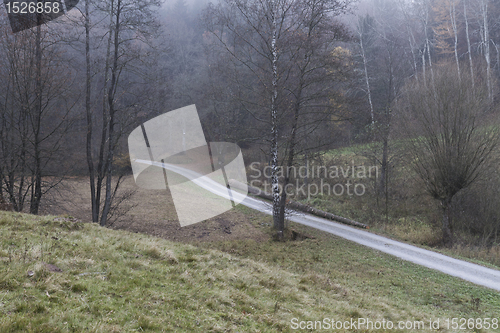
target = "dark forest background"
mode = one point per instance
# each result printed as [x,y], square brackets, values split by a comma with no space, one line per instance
[288,81]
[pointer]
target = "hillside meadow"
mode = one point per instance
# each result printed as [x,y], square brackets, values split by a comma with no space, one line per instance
[62,275]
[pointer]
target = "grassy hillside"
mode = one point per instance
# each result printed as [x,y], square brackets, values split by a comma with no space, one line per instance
[59,275]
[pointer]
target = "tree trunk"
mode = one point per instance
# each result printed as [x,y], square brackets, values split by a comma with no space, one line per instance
[90,160]
[384,163]
[447,223]
[102,160]
[291,155]
[486,40]
[274,132]
[367,81]
[427,44]
[412,43]
[469,51]
[423,65]
[111,134]
[36,181]
[453,18]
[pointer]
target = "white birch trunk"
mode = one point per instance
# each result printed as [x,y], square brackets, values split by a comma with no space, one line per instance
[274,124]
[427,40]
[423,65]
[486,40]
[428,47]
[453,19]
[411,40]
[468,42]
[367,79]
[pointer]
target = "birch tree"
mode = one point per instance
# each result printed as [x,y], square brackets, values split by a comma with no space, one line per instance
[365,26]
[467,37]
[485,40]
[423,13]
[259,26]
[285,47]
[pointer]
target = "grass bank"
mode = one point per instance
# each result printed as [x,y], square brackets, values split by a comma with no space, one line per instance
[59,275]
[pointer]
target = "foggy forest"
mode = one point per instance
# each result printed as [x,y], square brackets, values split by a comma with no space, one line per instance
[381,114]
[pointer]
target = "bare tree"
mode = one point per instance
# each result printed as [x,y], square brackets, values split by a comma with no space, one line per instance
[131,23]
[448,142]
[36,107]
[285,49]
[392,61]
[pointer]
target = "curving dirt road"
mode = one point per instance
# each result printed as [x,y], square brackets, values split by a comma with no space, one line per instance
[470,272]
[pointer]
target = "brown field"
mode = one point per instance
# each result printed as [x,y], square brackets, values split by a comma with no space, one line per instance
[152,212]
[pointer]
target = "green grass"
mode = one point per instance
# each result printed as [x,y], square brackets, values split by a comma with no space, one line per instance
[377,283]
[117,281]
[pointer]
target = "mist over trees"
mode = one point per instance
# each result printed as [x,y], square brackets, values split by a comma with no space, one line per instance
[286,80]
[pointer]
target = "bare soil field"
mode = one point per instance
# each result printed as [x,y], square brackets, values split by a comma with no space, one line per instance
[152,212]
